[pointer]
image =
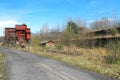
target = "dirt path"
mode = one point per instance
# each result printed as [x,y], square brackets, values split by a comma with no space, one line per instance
[22,65]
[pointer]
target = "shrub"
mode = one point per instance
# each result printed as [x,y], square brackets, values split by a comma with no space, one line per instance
[59,46]
[114,31]
[113,52]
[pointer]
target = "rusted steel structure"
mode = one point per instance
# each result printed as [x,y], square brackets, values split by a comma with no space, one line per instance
[18,34]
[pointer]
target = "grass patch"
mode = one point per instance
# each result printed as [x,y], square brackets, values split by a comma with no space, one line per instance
[1,67]
[91,59]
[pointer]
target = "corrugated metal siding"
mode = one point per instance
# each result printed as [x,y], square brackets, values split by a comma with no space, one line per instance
[19,32]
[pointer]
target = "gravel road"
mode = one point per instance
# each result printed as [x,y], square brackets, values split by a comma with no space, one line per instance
[22,65]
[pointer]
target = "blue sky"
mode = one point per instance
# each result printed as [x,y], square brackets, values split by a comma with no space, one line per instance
[36,13]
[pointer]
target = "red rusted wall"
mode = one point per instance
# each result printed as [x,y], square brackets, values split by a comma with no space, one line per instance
[9,33]
[21,27]
[19,32]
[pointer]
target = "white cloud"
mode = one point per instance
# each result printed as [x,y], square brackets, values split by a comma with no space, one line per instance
[92,3]
[7,23]
[73,2]
[70,1]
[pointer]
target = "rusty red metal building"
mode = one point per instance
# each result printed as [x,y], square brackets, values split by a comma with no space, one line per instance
[19,33]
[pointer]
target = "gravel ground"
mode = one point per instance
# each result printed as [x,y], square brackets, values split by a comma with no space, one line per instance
[20,65]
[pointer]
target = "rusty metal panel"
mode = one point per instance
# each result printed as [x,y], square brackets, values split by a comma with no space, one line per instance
[20,27]
[9,32]
[18,33]
[28,30]
[28,36]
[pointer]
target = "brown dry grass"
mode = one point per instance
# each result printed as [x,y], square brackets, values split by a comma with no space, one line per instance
[92,59]
[1,67]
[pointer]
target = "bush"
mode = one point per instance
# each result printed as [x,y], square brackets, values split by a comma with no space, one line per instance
[1,67]
[59,46]
[114,31]
[113,52]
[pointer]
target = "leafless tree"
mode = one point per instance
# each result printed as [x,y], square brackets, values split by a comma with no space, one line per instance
[44,32]
[104,23]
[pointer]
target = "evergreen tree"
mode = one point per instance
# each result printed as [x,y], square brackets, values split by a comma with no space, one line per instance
[72,27]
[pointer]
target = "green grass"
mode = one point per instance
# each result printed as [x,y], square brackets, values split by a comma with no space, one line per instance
[91,59]
[1,67]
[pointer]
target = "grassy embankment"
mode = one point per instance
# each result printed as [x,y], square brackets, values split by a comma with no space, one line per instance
[91,59]
[1,67]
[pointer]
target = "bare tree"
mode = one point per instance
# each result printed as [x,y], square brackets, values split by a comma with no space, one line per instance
[115,20]
[100,24]
[55,32]
[105,23]
[44,32]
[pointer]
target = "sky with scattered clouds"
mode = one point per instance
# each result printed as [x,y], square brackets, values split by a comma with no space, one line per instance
[36,13]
